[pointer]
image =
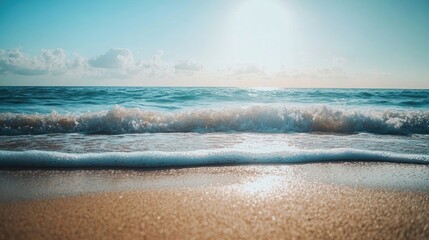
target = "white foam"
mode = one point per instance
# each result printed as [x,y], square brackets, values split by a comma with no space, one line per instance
[259,118]
[152,159]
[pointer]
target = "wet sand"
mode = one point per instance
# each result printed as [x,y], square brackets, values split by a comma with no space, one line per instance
[244,202]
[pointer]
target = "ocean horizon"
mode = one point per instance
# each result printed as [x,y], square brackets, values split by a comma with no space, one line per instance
[247,119]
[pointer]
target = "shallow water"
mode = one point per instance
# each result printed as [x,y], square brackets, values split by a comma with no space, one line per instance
[254,180]
[152,127]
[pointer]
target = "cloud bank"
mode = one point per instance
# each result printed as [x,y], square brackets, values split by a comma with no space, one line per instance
[188,66]
[49,62]
[115,63]
[119,66]
[114,58]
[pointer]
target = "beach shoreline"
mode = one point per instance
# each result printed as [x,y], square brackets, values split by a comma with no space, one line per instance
[236,202]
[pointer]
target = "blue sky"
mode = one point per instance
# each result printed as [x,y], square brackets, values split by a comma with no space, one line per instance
[273,43]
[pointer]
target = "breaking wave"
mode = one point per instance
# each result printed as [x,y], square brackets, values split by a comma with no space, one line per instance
[258,118]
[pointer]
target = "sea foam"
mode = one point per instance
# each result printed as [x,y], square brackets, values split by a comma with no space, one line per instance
[257,118]
[151,159]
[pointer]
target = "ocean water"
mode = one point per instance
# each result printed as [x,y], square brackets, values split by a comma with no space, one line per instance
[166,127]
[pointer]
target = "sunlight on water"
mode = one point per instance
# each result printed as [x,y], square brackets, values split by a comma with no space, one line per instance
[169,127]
[263,185]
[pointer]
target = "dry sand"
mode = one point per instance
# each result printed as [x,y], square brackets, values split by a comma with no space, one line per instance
[276,203]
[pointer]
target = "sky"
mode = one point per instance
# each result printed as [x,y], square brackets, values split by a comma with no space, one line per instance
[243,43]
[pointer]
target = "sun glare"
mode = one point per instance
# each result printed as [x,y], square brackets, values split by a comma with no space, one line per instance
[256,29]
[262,185]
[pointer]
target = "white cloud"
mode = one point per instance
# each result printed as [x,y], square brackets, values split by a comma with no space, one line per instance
[248,70]
[78,64]
[16,62]
[115,63]
[54,59]
[119,67]
[188,66]
[114,58]
[12,61]
[155,67]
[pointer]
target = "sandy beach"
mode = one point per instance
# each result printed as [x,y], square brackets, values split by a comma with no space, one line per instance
[251,119]
[241,202]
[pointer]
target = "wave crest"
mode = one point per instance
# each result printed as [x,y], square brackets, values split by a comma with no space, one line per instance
[260,118]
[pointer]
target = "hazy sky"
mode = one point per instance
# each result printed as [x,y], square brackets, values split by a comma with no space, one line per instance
[270,43]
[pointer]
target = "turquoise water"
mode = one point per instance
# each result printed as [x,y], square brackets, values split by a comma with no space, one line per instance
[81,99]
[137,126]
